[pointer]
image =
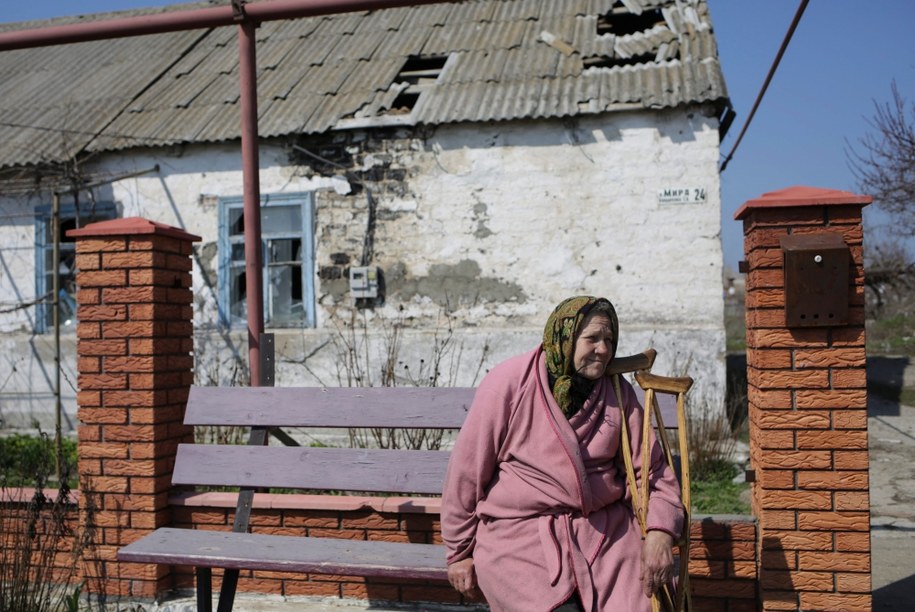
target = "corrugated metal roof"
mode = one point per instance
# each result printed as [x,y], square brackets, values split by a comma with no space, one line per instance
[54,101]
[507,59]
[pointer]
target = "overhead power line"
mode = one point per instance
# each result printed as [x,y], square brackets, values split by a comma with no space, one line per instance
[762,92]
[76,132]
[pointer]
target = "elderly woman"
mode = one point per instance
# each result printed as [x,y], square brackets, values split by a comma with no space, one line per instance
[535,510]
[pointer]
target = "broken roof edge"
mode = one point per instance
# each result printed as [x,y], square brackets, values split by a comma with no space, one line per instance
[718,105]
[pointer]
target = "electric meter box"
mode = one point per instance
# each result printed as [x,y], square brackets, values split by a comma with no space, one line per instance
[363,282]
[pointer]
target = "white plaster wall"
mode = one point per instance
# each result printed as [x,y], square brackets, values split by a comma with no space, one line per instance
[566,219]
[17,262]
[182,193]
[535,211]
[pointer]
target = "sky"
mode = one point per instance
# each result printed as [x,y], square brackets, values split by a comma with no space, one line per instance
[842,60]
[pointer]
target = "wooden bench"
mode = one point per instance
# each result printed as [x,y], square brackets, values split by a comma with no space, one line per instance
[257,466]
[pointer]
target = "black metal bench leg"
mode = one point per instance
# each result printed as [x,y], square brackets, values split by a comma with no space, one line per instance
[227,592]
[204,589]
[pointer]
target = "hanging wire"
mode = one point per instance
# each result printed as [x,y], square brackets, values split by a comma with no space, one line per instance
[762,92]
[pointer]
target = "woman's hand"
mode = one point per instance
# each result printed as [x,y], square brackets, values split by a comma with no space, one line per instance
[463,578]
[657,561]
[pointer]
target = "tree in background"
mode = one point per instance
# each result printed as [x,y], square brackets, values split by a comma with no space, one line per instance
[885,162]
[884,165]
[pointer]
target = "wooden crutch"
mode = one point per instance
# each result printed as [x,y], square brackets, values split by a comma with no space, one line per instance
[678,386]
[632,363]
[652,384]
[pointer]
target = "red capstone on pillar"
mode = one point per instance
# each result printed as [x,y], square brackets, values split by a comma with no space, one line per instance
[135,365]
[807,394]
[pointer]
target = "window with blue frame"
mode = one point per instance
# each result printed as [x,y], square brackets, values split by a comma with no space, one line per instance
[72,216]
[287,246]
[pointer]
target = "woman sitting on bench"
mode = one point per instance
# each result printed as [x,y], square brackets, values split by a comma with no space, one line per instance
[535,508]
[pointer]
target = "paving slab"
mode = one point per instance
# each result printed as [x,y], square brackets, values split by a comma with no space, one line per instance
[891,440]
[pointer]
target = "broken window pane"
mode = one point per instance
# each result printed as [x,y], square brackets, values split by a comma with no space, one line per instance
[238,291]
[238,251]
[236,221]
[287,249]
[72,216]
[283,301]
[287,252]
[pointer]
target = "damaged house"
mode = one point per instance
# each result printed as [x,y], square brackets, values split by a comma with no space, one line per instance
[434,179]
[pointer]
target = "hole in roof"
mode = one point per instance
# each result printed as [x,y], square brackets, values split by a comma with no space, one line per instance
[620,22]
[418,69]
[603,61]
[417,72]
[403,103]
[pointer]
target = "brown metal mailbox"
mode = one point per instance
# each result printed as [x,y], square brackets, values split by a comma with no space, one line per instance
[816,280]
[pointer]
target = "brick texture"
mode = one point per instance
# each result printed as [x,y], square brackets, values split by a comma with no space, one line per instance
[135,340]
[722,561]
[808,418]
[808,442]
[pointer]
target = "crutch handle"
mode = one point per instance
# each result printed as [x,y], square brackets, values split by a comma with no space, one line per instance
[664,384]
[632,363]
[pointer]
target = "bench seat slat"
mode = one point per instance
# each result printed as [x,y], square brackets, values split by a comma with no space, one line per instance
[288,553]
[345,469]
[408,407]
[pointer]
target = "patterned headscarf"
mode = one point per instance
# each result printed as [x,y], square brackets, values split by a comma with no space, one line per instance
[559,337]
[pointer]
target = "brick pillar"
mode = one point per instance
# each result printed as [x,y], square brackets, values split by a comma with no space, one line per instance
[135,367]
[808,410]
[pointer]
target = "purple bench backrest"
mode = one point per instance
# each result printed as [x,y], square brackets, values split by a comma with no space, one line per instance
[345,469]
[416,407]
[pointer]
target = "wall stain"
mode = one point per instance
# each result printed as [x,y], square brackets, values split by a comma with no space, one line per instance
[480,216]
[452,285]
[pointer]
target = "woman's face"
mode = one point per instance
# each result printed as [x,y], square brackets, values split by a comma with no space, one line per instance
[593,347]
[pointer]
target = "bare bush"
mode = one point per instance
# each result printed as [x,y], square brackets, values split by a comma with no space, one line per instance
[890,276]
[362,364]
[712,447]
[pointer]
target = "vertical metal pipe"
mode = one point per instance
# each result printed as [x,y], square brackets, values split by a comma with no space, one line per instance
[55,310]
[208,18]
[247,68]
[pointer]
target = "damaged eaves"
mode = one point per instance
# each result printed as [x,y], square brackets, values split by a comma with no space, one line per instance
[417,65]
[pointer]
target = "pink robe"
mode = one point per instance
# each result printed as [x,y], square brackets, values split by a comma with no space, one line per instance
[540,501]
